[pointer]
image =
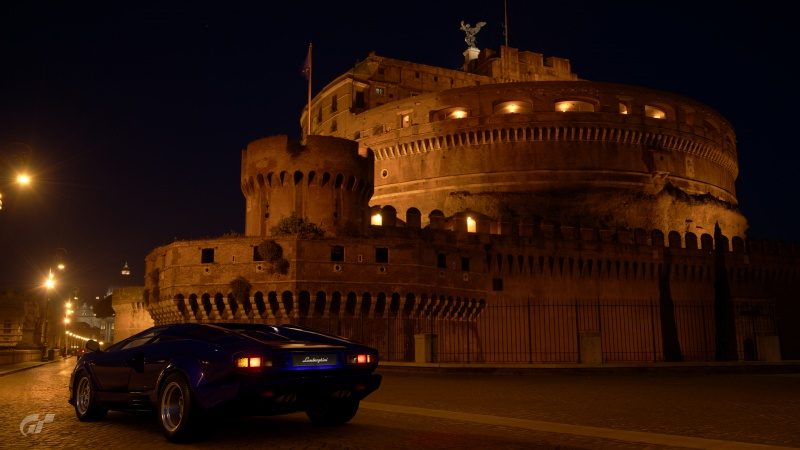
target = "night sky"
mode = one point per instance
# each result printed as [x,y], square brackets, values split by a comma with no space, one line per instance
[135,112]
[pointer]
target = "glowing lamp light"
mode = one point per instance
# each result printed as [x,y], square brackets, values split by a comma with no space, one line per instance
[458,114]
[68,305]
[24,179]
[653,112]
[101,342]
[472,225]
[49,283]
[512,108]
[376,219]
[61,266]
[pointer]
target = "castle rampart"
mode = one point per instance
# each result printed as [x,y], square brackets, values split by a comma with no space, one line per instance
[324,180]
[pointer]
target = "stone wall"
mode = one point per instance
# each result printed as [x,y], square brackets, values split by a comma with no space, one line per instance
[130,312]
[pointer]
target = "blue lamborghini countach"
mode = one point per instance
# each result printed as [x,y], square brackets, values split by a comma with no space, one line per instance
[186,371]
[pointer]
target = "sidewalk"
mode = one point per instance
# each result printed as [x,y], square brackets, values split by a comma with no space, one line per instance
[749,367]
[18,367]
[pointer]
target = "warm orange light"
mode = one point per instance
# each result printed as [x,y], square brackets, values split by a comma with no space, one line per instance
[361,359]
[458,114]
[472,225]
[24,179]
[376,219]
[66,320]
[252,361]
[49,283]
[68,305]
[61,266]
[654,112]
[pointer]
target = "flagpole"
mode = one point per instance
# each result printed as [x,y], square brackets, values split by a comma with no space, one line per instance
[308,133]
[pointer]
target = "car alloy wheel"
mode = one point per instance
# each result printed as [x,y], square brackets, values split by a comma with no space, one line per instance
[176,410]
[83,395]
[85,403]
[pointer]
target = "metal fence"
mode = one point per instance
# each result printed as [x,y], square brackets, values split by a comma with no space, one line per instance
[537,331]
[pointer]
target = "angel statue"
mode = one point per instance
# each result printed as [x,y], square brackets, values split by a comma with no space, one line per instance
[471,31]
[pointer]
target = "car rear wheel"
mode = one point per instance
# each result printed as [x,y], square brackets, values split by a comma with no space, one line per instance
[177,412]
[86,400]
[332,411]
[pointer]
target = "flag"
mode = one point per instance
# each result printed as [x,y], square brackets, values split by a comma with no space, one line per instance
[307,65]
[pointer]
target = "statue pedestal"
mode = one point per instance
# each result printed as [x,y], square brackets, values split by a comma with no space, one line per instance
[471,54]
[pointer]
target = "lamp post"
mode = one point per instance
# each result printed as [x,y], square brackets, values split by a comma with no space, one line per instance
[49,284]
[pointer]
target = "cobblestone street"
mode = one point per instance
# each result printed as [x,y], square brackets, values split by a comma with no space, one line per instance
[458,411]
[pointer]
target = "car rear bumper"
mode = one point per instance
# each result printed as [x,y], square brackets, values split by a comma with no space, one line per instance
[262,395]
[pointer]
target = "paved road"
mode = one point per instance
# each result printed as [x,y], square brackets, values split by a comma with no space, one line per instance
[459,411]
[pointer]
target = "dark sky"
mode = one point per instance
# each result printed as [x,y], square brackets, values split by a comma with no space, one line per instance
[136,112]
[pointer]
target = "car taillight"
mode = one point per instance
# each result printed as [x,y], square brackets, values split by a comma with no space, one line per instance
[361,358]
[253,361]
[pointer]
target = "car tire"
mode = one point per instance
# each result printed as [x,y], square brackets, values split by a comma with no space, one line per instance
[177,412]
[86,408]
[332,412]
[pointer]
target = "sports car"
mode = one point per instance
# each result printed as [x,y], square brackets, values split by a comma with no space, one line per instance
[186,371]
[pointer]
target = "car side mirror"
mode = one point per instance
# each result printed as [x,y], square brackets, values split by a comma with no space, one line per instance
[92,345]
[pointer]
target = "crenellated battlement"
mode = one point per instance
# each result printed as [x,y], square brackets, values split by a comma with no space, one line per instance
[473,226]
[324,180]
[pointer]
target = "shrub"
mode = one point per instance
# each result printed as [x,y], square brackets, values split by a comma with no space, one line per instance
[296,225]
[270,250]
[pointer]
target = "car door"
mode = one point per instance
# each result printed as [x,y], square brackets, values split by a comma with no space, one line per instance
[149,361]
[112,369]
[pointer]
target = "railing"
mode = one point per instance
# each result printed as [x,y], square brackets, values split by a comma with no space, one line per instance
[539,331]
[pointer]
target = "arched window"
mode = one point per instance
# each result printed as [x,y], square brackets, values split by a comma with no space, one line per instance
[472,225]
[574,106]
[513,107]
[654,112]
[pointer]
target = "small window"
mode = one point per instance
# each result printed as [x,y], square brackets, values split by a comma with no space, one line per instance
[379,91]
[334,103]
[441,261]
[416,74]
[497,284]
[513,107]
[376,220]
[623,108]
[382,255]
[574,106]
[381,71]
[334,126]
[256,254]
[465,264]
[207,256]
[436,78]
[359,101]
[405,120]
[337,253]
[319,115]
[654,112]
[472,225]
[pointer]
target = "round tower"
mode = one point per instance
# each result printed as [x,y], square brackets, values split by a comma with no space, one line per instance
[323,181]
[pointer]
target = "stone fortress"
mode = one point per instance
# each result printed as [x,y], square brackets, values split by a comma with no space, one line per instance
[507,211]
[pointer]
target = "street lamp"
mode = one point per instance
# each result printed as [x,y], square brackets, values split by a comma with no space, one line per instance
[22,178]
[49,284]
